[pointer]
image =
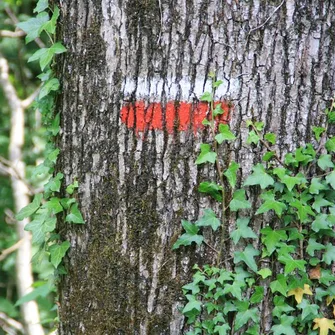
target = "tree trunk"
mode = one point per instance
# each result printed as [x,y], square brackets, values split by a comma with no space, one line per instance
[131,128]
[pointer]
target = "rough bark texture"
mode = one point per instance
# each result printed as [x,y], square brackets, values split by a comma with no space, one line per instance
[276,58]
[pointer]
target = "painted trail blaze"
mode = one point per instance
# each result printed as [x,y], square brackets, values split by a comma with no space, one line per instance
[179,116]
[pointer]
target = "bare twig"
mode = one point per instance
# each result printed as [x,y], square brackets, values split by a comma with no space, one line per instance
[267,20]
[28,101]
[12,34]
[8,251]
[9,325]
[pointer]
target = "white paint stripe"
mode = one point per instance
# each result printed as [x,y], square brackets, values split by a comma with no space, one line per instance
[152,88]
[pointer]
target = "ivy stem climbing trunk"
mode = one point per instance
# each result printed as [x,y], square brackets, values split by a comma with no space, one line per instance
[24,277]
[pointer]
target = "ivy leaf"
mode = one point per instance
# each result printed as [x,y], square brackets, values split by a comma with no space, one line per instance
[222,330]
[258,295]
[239,201]
[206,155]
[325,162]
[242,230]
[206,97]
[33,26]
[36,225]
[70,189]
[302,210]
[290,182]
[298,292]
[50,85]
[308,309]
[313,245]
[268,205]
[57,252]
[270,137]
[41,291]
[209,219]
[265,272]
[279,285]
[259,177]
[45,55]
[252,137]
[234,289]
[244,316]
[225,134]
[291,264]
[284,327]
[218,110]
[30,209]
[212,189]
[281,306]
[247,256]
[54,205]
[316,186]
[330,144]
[271,238]
[329,255]
[324,325]
[320,223]
[330,179]
[50,26]
[190,236]
[230,173]
[75,215]
[41,5]
[318,131]
[319,202]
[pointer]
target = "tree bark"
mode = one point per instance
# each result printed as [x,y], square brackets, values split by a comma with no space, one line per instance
[130,68]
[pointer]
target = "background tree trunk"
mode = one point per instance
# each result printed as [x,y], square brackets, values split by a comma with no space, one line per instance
[136,173]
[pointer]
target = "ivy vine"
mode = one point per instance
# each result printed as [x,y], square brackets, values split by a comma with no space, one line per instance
[292,269]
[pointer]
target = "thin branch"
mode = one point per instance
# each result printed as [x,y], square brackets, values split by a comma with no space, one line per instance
[28,101]
[267,20]
[12,34]
[8,251]
[11,326]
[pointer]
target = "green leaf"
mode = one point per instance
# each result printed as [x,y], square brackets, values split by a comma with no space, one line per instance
[57,252]
[209,219]
[192,304]
[330,145]
[308,309]
[302,210]
[45,55]
[320,223]
[190,236]
[218,110]
[75,215]
[268,155]
[50,26]
[70,189]
[330,179]
[313,245]
[41,291]
[54,127]
[279,285]
[247,256]
[259,126]
[258,295]
[325,162]
[319,202]
[225,134]
[212,189]
[265,272]
[239,201]
[318,131]
[54,183]
[259,177]
[242,230]
[34,26]
[54,205]
[234,289]
[271,138]
[30,209]
[36,227]
[231,173]
[52,156]
[50,85]
[206,155]
[291,264]
[329,255]
[268,205]
[252,137]
[271,238]
[290,182]
[217,83]
[41,5]
[222,330]
[281,306]
[284,327]
[243,317]
[316,186]
[206,97]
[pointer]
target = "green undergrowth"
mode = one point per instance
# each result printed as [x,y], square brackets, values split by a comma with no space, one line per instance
[285,265]
[46,206]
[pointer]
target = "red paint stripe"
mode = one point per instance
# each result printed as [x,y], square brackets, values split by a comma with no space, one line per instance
[181,116]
